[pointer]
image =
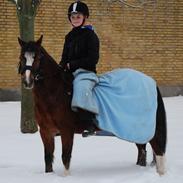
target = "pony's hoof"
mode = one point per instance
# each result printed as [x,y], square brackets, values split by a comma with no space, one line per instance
[48,170]
[161,172]
[160,165]
[66,173]
[141,163]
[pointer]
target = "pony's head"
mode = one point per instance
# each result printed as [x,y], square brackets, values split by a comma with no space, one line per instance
[29,61]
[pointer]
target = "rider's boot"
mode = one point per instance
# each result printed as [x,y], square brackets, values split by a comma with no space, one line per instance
[89,121]
[90,128]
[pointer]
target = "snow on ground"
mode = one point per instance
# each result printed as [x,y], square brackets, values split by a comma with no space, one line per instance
[94,159]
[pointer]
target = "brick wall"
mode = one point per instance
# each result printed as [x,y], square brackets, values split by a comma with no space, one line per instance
[148,39]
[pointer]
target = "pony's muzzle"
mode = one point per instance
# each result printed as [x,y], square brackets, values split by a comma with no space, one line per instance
[28,86]
[28,80]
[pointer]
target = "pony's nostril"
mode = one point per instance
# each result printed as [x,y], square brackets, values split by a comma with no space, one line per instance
[28,85]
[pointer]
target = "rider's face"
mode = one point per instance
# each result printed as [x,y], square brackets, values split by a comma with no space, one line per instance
[77,19]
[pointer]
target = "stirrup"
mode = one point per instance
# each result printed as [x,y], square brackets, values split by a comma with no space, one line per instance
[87,133]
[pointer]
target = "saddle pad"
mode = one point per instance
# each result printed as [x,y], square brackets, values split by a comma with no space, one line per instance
[127,104]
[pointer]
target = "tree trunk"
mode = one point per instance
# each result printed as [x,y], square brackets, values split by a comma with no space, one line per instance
[26,12]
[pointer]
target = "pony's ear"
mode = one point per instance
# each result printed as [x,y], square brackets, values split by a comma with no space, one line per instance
[21,42]
[39,41]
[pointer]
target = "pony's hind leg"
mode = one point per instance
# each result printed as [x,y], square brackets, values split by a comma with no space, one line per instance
[153,163]
[67,144]
[48,141]
[158,143]
[141,158]
[158,158]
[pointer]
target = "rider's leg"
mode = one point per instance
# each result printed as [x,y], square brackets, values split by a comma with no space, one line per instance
[89,121]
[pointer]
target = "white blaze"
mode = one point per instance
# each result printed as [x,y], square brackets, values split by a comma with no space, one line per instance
[29,61]
[29,58]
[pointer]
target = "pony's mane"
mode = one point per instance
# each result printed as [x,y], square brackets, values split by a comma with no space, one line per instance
[47,55]
[66,77]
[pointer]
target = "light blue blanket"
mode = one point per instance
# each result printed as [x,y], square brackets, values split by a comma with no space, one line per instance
[124,100]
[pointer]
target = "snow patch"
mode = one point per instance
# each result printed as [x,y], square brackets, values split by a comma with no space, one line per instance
[94,159]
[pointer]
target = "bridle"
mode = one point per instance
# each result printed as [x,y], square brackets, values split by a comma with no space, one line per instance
[38,75]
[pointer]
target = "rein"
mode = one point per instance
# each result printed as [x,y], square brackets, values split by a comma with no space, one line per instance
[66,77]
[38,76]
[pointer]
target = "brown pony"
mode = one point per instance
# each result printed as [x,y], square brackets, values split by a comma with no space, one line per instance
[52,103]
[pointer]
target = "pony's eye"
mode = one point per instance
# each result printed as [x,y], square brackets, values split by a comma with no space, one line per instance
[33,55]
[22,59]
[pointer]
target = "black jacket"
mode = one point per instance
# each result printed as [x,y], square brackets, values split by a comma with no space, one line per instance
[81,49]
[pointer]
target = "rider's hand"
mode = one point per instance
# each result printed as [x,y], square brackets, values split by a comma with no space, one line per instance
[61,65]
[68,66]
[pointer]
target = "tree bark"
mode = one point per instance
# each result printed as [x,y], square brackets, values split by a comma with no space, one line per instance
[26,12]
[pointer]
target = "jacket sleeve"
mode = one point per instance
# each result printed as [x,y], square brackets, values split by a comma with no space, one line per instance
[92,56]
[64,57]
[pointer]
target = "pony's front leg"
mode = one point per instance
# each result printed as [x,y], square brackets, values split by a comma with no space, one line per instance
[141,159]
[48,141]
[67,143]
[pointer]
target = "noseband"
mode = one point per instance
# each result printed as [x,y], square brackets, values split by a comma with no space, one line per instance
[22,70]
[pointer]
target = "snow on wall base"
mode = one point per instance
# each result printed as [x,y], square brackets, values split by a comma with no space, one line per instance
[170,91]
[10,95]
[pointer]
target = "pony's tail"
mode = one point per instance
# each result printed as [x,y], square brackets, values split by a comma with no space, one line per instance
[161,123]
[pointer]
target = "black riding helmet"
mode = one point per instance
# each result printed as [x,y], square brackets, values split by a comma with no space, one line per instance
[78,7]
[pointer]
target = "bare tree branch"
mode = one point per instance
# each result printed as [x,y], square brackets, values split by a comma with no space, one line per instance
[135,4]
[13,1]
[36,2]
